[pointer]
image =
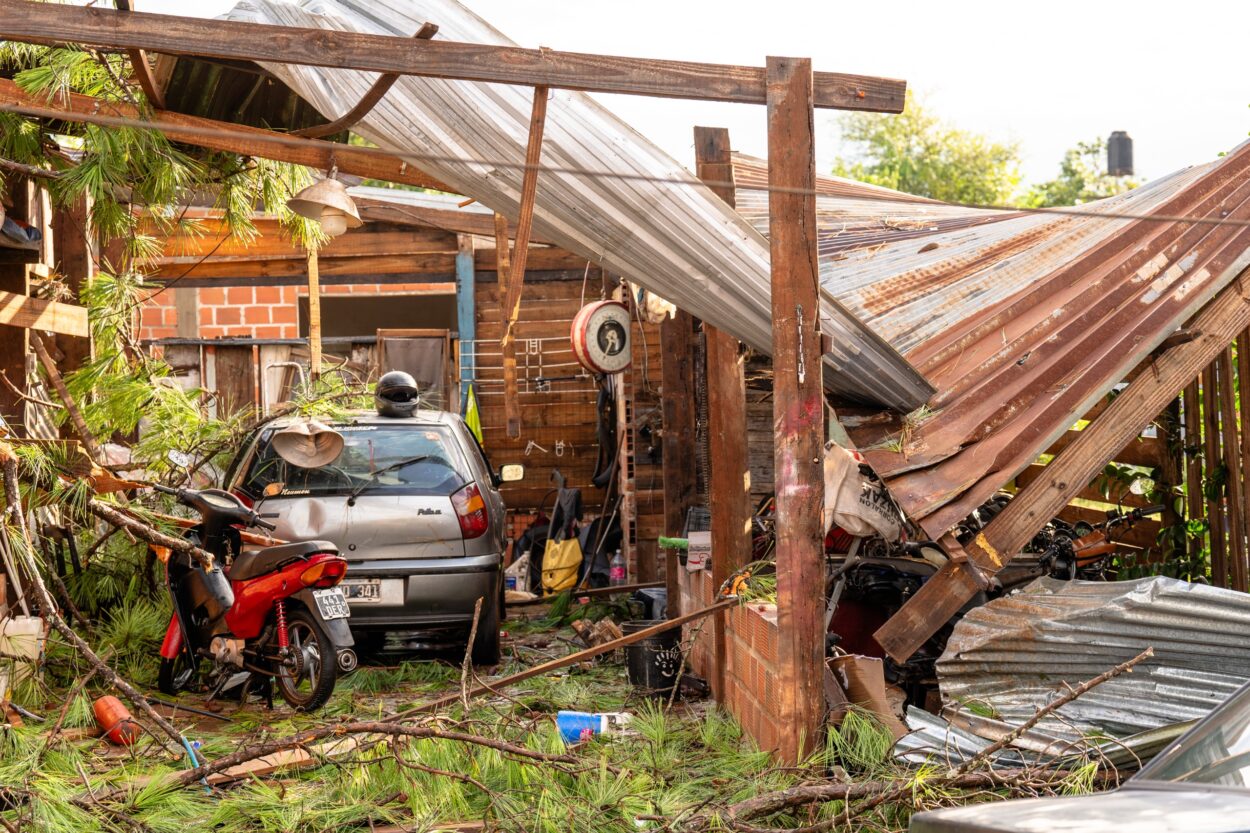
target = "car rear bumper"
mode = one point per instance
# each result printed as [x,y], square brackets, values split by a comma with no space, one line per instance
[425,592]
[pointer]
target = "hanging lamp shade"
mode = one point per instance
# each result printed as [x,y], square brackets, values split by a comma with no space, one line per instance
[327,202]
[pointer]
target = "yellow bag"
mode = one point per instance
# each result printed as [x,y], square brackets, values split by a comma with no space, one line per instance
[562,562]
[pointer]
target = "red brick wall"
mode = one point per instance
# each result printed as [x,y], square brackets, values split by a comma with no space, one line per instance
[750,657]
[249,311]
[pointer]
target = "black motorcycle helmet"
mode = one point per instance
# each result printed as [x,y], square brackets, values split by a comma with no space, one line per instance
[396,394]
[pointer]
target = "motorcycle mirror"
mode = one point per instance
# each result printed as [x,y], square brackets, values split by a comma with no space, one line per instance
[512,473]
[272,489]
[179,458]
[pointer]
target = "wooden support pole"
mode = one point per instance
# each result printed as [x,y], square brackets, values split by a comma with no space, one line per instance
[1243,434]
[512,409]
[1234,484]
[679,457]
[143,70]
[1194,506]
[1217,324]
[511,294]
[466,313]
[314,318]
[729,487]
[1213,457]
[798,405]
[76,264]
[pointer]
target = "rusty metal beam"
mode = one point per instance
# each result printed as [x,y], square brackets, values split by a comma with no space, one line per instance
[950,588]
[798,406]
[369,100]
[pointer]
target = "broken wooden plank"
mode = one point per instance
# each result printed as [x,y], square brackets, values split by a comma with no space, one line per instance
[949,589]
[234,40]
[369,100]
[38,314]
[143,70]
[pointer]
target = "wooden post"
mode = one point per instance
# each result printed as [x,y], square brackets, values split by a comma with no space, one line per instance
[76,263]
[511,299]
[1232,467]
[798,405]
[1211,450]
[314,318]
[1194,507]
[729,486]
[466,286]
[679,462]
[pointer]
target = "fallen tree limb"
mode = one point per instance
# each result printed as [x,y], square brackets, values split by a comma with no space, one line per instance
[370,727]
[904,789]
[71,407]
[788,799]
[562,662]
[17,516]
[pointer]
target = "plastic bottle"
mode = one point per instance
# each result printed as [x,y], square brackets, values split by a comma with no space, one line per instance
[616,570]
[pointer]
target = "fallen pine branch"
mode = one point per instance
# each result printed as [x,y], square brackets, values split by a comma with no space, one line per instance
[25,552]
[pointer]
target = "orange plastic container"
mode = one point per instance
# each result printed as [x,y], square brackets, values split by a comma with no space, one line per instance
[115,720]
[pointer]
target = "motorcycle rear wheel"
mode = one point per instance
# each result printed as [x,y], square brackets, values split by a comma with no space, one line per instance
[309,687]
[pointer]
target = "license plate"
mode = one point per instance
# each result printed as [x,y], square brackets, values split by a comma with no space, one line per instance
[363,589]
[332,604]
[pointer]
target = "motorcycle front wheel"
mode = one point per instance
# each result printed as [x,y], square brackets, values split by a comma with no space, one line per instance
[307,681]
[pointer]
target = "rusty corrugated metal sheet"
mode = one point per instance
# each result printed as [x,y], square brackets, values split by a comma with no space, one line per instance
[607,193]
[1016,653]
[1022,321]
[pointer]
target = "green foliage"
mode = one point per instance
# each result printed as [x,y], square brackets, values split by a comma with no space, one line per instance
[1082,178]
[916,152]
[861,744]
[138,181]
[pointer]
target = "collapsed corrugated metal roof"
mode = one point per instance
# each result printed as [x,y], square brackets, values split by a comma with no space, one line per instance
[1022,320]
[1015,653]
[677,240]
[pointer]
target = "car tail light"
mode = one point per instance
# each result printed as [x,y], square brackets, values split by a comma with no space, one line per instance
[325,573]
[471,511]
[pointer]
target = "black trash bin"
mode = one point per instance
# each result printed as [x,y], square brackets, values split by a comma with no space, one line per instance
[654,665]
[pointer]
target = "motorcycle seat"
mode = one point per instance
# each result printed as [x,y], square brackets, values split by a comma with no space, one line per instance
[255,563]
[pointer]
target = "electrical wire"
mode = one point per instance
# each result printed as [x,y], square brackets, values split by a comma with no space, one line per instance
[297,142]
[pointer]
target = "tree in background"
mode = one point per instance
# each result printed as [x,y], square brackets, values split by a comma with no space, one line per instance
[1082,178]
[918,153]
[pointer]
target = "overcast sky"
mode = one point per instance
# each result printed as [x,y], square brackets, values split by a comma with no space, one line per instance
[1173,74]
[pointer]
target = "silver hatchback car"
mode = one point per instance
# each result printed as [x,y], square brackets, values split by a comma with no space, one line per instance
[413,506]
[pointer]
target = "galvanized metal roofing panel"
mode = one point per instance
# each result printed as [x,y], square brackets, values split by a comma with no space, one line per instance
[1021,320]
[677,240]
[1016,653]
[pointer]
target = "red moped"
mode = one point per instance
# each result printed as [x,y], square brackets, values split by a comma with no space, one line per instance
[258,617]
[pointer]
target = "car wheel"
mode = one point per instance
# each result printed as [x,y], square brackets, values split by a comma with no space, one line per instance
[486,645]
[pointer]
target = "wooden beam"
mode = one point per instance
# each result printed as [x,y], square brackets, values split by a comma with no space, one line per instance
[370,100]
[512,418]
[679,463]
[950,588]
[54,25]
[511,296]
[37,314]
[798,406]
[1194,506]
[729,477]
[76,264]
[1212,456]
[231,138]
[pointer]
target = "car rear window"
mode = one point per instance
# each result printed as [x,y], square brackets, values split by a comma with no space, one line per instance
[389,459]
